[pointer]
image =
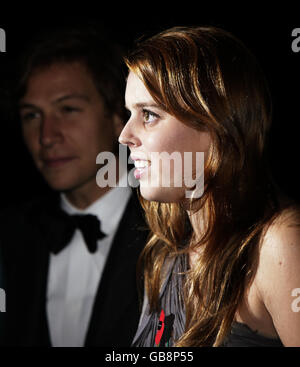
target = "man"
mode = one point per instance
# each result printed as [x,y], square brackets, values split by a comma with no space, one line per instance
[70,100]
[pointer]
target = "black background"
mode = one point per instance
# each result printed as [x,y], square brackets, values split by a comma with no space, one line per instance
[265,29]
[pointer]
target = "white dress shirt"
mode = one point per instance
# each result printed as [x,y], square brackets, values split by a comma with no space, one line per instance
[74,273]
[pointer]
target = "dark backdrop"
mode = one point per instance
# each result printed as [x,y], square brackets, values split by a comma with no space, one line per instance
[266,31]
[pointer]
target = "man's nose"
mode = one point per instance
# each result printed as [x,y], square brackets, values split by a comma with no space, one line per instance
[50,131]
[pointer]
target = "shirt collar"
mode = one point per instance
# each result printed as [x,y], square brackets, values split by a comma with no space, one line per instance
[108,208]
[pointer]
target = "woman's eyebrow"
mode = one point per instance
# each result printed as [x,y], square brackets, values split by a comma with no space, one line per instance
[145,104]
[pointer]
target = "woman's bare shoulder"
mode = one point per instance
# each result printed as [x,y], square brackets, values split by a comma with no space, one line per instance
[278,272]
[283,231]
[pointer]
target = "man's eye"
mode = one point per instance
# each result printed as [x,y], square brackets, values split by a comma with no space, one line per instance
[149,116]
[30,116]
[70,109]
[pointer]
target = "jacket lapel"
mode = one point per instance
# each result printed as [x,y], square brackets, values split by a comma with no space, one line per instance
[116,310]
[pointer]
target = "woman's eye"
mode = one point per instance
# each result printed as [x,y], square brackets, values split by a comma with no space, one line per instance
[149,116]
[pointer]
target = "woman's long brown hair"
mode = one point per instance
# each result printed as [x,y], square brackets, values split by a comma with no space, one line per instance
[208,79]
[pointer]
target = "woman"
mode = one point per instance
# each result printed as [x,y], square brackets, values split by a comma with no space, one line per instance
[221,268]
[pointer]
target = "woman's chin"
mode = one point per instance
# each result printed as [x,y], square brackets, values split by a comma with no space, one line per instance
[162,194]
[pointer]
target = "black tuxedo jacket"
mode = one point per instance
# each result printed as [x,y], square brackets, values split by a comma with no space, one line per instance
[116,308]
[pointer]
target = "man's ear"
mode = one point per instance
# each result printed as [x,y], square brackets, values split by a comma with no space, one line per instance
[118,124]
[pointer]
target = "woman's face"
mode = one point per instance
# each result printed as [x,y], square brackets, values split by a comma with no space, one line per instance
[168,154]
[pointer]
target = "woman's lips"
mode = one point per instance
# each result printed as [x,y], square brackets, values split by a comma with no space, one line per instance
[141,167]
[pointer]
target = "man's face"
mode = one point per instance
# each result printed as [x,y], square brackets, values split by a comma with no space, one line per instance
[66,125]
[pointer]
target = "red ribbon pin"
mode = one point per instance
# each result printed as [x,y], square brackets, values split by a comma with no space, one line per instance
[160,329]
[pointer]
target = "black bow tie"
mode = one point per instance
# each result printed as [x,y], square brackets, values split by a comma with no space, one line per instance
[61,227]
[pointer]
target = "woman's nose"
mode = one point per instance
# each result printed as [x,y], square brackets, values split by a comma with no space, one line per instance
[129,136]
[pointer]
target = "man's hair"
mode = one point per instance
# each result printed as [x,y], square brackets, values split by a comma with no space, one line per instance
[88,44]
